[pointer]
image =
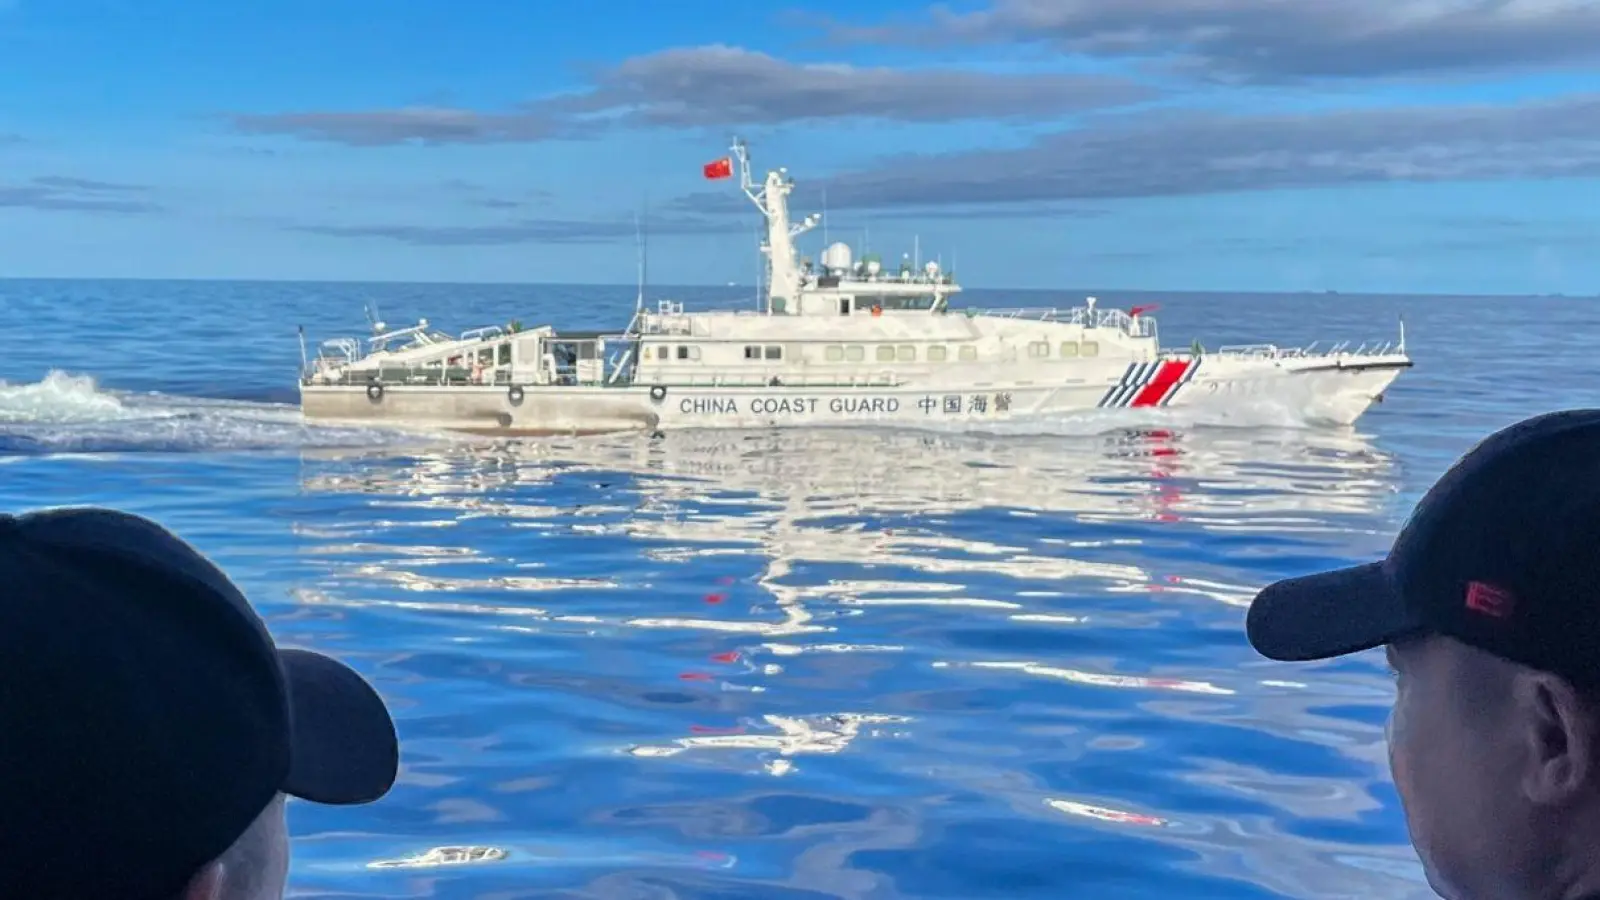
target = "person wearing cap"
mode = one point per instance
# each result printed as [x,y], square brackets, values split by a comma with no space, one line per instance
[152,728]
[1488,608]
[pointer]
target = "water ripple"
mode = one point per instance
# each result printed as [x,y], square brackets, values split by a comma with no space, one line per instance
[681,621]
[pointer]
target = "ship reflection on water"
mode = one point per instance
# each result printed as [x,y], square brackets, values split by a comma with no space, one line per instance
[1031,638]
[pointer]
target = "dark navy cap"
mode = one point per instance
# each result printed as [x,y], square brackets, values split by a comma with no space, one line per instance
[148,716]
[1502,553]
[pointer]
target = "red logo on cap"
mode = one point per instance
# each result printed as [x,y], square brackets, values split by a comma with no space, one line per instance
[1489,600]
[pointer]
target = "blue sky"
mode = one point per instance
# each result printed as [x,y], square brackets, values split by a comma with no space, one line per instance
[1445,146]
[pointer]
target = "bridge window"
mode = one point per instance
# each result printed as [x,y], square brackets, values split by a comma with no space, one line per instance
[774,351]
[969,353]
[1091,348]
[1069,349]
[855,353]
[1039,349]
[688,351]
[834,353]
[905,353]
[505,354]
[937,353]
[891,302]
[663,351]
[752,352]
[885,353]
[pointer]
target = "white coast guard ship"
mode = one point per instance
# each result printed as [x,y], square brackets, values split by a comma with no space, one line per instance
[842,343]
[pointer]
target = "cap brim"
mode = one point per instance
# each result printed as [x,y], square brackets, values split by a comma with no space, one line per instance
[344,749]
[1328,614]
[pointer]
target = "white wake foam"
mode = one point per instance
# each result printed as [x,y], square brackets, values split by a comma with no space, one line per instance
[68,413]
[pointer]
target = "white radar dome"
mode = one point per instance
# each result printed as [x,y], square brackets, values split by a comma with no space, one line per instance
[837,256]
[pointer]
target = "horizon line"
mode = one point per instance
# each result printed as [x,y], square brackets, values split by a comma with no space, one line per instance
[1231,292]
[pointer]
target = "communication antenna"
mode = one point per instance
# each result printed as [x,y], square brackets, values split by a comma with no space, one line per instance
[639,241]
[824,215]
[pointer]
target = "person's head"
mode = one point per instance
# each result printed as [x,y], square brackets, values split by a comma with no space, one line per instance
[1488,608]
[153,731]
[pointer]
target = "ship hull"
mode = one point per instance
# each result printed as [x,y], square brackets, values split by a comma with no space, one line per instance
[1323,389]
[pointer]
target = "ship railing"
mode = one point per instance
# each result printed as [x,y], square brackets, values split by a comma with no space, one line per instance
[670,325]
[402,375]
[487,332]
[853,277]
[1316,350]
[340,350]
[1110,317]
[568,376]
[669,317]
[333,353]
[667,328]
[420,336]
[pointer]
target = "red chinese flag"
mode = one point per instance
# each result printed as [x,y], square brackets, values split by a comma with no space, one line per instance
[722,168]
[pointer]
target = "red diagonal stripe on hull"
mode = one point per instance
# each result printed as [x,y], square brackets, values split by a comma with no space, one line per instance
[1169,374]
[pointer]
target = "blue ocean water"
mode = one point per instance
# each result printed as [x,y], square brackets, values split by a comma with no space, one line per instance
[800,664]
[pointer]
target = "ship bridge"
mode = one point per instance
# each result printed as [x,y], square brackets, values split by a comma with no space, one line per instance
[842,286]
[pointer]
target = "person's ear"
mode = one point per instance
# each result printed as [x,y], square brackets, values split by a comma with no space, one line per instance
[206,883]
[1558,732]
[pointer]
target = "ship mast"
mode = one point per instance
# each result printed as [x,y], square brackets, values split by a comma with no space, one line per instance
[772,199]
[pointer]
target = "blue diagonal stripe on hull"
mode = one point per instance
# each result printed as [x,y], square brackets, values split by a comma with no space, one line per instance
[1136,379]
[1116,388]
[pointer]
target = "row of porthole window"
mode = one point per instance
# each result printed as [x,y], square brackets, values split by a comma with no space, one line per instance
[938,353]
[892,353]
[1069,349]
[684,351]
[691,352]
[889,352]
